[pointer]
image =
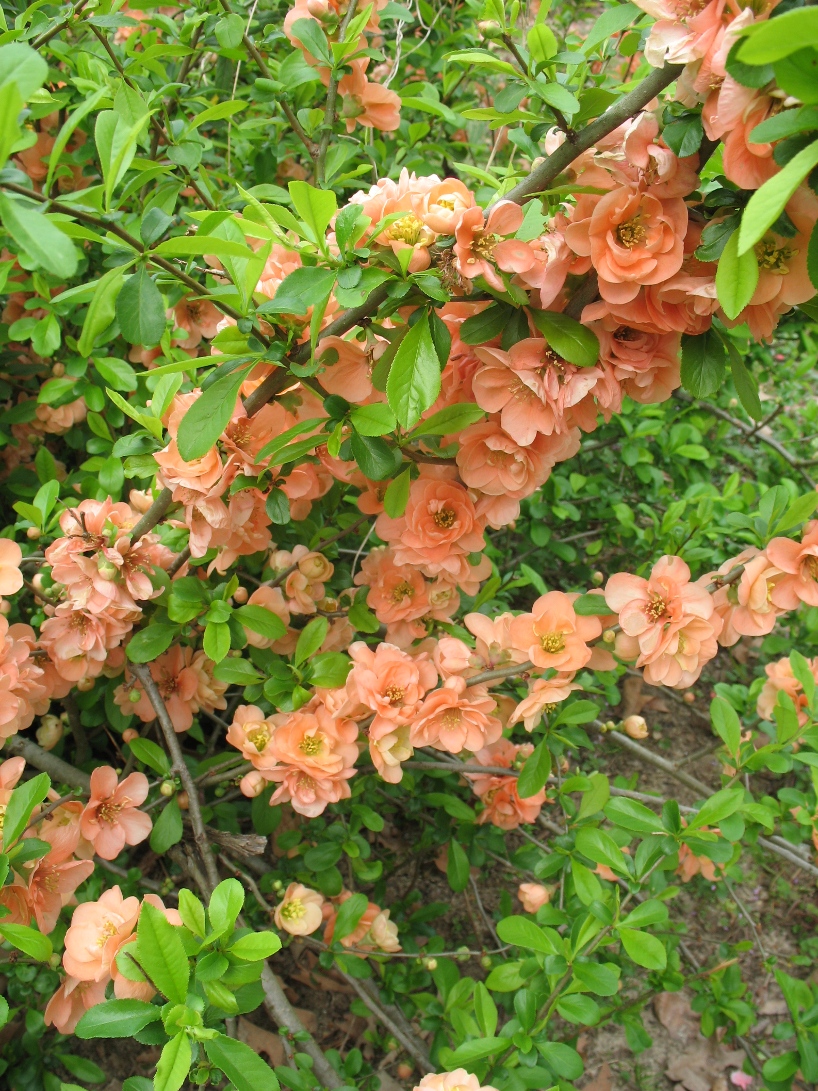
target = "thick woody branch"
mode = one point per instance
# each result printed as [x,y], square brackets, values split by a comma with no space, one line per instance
[283,1014]
[394,1021]
[142,672]
[59,771]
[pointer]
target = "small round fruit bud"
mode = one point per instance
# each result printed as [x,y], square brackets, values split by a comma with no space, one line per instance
[390,1044]
[58,370]
[635,727]
[429,964]
[597,578]
[490,30]
[733,403]
[107,569]
[404,1071]
[278,886]
[54,961]
[134,696]
[183,799]
[463,954]
[129,734]
[609,636]
[5,607]
[689,698]
[86,684]
[37,581]
[485,962]
[166,788]
[49,732]
[240,595]
[33,533]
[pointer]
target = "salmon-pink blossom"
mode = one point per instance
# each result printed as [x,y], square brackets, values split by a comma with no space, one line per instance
[389,748]
[186,683]
[389,682]
[251,732]
[111,818]
[798,561]
[397,592]
[458,1080]
[456,717]
[299,911]
[24,692]
[11,578]
[366,103]
[533,896]
[78,642]
[781,679]
[543,697]
[52,881]
[746,605]
[71,1001]
[482,247]
[97,931]
[502,804]
[553,634]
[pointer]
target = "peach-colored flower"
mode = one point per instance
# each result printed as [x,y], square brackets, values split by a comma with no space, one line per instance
[97,931]
[631,237]
[397,592]
[251,732]
[731,114]
[533,896]
[24,692]
[52,881]
[503,806]
[553,634]
[647,364]
[111,819]
[799,563]
[389,749]
[458,1080]
[456,718]
[691,865]
[70,1002]
[443,206]
[481,247]
[389,682]
[438,530]
[78,642]
[346,368]
[198,318]
[780,679]
[299,912]
[14,899]
[366,103]
[11,578]
[543,697]
[178,682]
[746,605]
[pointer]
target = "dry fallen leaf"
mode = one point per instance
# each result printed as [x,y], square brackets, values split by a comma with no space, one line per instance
[633,699]
[674,1013]
[700,1066]
[267,1041]
[602,1081]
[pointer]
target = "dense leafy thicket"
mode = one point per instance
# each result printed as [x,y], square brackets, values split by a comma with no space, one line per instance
[385,389]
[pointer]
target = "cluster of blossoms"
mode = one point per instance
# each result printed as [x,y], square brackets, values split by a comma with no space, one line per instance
[303,911]
[75,832]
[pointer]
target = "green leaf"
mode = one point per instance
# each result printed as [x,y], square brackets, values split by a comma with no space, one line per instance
[140,310]
[216,642]
[632,815]
[562,1059]
[768,202]
[523,932]
[174,1063]
[117,1019]
[591,606]
[23,800]
[610,22]
[242,1065]
[602,849]
[271,449]
[485,1010]
[812,257]
[225,905]
[349,915]
[736,277]
[469,1052]
[746,386]
[329,670]
[644,949]
[316,207]
[396,496]
[229,31]
[450,421]
[261,620]
[167,829]
[23,67]
[373,420]
[772,39]
[209,415]
[81,1067]
[102,309]
[458,868]
[414,378]
[238,672]
[602,980]
[535,772]
[651,911]
[375,457]
[579,1009]
[35,234]
[28,940]
[720,805]
[149,643]
[310,639]
[727,724]
[485,325]
[117,373]
[703,363]
[306,287]
[596,796]
[574,342]
[151,754]
[192,912]
[257,946]
[160,953]
[189,246]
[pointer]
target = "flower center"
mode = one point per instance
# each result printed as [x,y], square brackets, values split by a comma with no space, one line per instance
[311,745]
[630,233]
[483,244]
[403,591]
[259,736]
[293,910]
[109,811]
[656,607]
[108,931]
[811,565]
[445,518]
[395,695]
[773,258]
[447,203]
[451,718]
[407,229]
[553,642]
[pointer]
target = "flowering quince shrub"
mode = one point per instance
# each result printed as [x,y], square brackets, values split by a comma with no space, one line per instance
[294,381]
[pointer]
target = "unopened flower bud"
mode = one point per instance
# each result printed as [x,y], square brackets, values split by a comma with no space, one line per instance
[134,696]
[54,961]
[58,370]
[404,1071]
[485,962]
[86,684]
[490,30]
[278,886]
[609,636]
[37,581]
[5,607]
[183,799]
[240,595]
[107,569]
[597,578]
[33,533]
[49,732]
[610,726]
[166,788]
[253,784]
[429,964]
[689,698]
[463,954]
[129,734]
[635,727]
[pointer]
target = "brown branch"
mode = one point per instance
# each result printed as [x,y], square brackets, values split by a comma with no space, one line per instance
[59,771]
[389,1019]
[142,672]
